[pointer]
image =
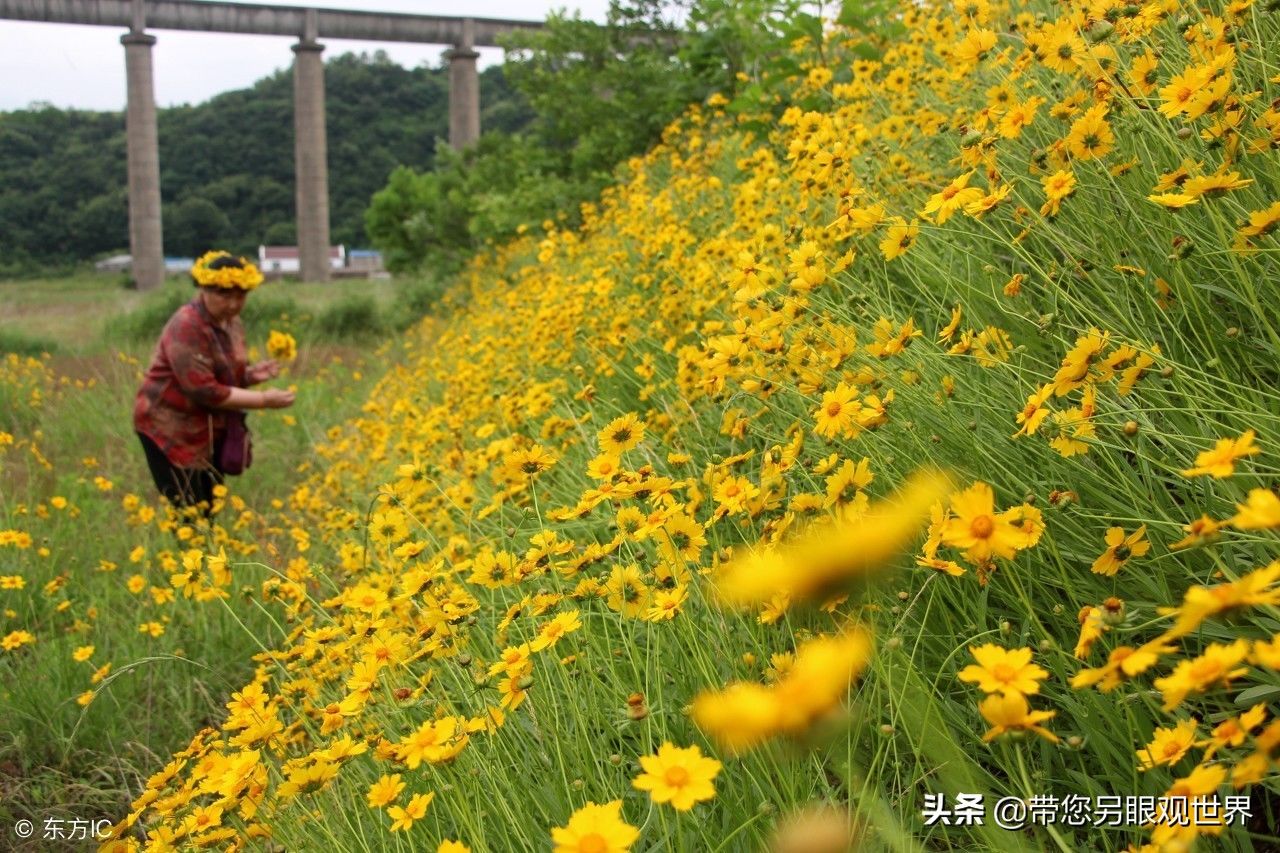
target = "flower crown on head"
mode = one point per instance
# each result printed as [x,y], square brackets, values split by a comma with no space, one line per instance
[206,274]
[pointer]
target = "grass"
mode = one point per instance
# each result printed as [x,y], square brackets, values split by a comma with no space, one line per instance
[84,313]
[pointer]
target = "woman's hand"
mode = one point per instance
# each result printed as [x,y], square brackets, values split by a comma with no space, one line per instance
[277,398]
[262,371]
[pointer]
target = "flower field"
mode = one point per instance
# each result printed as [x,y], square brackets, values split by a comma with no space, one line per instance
[903,427]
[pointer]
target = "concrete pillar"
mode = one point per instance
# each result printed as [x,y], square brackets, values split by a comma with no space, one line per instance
[311,160]
[145,238]
[464,89]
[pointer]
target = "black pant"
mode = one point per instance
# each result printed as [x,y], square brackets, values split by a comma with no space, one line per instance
[182,486]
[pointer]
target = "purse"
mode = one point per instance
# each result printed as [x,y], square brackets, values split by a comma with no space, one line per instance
[236,452]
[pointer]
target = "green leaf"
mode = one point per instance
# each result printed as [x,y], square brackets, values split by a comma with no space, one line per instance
[1258,693]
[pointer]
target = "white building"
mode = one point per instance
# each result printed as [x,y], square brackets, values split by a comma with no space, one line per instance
[284,259]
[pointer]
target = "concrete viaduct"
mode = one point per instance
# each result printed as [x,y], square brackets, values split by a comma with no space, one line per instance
[308,26]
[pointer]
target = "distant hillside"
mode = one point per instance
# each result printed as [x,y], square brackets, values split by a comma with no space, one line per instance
[227,164]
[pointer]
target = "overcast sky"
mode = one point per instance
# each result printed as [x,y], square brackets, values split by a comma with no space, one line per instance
[83,67]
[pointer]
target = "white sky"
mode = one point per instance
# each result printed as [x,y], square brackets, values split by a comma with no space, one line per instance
[82,67]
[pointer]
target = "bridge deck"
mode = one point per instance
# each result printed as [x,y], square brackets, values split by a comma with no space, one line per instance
[268,20]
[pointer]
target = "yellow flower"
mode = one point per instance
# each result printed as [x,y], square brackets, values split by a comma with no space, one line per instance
[1057,187]
[552,632]
[595,829]
[1001,670]
[282,346]
[739,716]
[952,198]
[837,415]
[385,791]
[1173,201]
[1201,530]
[744,713]
[211,270]
[1218,666]
[1255,589]
[416,809]
[628,594]
[530,461]
[621,434]
[978,529]
[433,742]
[828,556]
[1168,745]
[1090,135]
[203,818]
[16,639]
[1009,712]
[1123,662]
[448,846]
[1220,461]
[899,238]
[1260,511]
[681,777]
[1233,730]
[1120,549]
[666,603]
[82,654]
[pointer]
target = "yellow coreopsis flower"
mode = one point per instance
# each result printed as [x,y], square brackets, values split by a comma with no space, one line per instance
[450,846]
[828,556]
[1218,666]
[282,346]
[402,818]
[1258,588]
[1120,548]
[1057,187]
[837,415]
[1260,511]
[433,741]
[1000,670]
[1009,712]
[1221,460]
[899,238]
[595,829]
[385,791]
[1091,136]
[621,434]
[978,529]
[1167,746]
[681,777]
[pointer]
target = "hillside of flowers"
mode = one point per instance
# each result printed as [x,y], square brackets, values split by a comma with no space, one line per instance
[904,427]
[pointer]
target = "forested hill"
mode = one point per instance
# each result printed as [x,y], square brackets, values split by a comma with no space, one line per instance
[227,164]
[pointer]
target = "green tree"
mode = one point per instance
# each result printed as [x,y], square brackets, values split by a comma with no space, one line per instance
[193,226]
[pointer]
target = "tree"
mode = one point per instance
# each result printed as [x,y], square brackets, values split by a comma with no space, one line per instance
[193,226]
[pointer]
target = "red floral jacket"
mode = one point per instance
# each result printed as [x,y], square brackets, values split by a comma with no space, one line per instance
[193,369]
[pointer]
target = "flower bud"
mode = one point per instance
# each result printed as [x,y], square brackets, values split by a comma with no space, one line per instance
[1100,31]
